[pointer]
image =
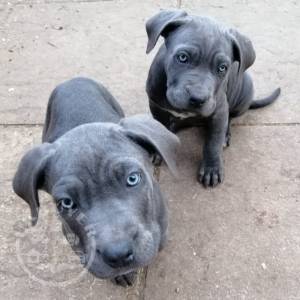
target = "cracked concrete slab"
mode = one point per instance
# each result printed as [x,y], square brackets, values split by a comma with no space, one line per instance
[240,240]
[44,44]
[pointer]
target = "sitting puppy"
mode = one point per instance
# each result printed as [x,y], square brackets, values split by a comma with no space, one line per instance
[97,166]
[198,78]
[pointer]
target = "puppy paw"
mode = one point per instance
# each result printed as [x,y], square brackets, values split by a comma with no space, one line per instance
[126,279]
[210,175]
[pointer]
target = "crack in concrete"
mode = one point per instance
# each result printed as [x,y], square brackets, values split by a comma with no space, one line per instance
[21,125]
[10,273]
[28,125]
[266,124]
[60,2]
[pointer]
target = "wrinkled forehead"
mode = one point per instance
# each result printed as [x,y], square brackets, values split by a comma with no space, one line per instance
[90,150]
[201,33]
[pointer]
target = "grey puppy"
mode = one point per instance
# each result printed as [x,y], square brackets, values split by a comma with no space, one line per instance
[198,78]
[97,166]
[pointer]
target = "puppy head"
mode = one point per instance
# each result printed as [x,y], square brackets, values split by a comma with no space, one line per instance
[101,179]
[198,59]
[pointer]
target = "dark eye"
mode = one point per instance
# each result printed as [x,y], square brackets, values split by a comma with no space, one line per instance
[222,68]
[182,58]
[66,203]
[133,179]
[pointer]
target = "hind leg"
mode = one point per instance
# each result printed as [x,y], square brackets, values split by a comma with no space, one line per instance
[244,99]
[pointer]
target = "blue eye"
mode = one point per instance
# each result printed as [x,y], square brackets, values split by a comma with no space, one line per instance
[66,203]
[134,179]
[222,68]
[182,58]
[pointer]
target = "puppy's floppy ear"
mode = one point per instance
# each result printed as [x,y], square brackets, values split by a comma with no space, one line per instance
[30,177]
[243,50]
[162,23]
[152,136]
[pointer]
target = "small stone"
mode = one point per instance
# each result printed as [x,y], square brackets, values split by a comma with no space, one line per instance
[264,266]
[58,27]
[177,290]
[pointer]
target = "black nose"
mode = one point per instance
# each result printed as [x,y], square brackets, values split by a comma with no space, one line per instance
[198,101]
[118,254]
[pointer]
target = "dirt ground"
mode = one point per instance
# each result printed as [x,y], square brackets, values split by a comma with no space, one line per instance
[240,240]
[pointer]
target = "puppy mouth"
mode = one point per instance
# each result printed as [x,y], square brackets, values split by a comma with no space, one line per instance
[208,108]
[180,103]
[100,269]
[185,110]
[92,258]
[109,275]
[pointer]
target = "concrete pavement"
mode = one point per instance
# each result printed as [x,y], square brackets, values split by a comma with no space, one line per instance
[238,241]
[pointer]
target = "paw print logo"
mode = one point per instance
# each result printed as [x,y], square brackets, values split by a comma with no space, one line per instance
[44,253]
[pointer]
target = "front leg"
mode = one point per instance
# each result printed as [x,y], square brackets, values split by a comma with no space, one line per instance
[227,135]
[211,171]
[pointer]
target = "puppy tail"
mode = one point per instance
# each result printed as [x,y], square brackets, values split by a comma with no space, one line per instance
[265,101]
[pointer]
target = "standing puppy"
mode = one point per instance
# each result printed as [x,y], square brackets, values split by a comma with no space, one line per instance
[97,165]
[199,77]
